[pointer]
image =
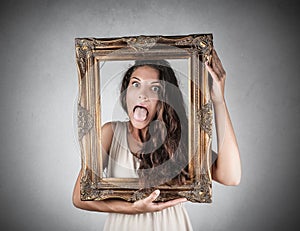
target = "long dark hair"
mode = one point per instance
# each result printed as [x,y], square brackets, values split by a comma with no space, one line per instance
[164,157]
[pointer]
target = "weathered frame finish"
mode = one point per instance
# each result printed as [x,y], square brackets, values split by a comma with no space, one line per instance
[196,48]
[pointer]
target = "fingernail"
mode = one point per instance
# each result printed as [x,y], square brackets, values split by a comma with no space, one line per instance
[157,192]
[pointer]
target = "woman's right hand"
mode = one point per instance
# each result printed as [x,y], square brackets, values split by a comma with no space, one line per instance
[148,204]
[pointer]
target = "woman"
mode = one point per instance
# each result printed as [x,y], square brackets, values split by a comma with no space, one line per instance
[156,132]
[145,84]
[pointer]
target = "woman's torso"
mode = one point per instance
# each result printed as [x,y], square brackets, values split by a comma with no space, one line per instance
[122,163]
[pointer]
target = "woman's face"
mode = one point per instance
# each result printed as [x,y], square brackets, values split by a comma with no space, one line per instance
[142,96]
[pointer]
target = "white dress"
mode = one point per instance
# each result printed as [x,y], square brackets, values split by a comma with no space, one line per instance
[123,164]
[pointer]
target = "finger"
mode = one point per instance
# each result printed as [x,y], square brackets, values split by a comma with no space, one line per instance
[212,72]
[220,69]
[170,203]
[218,64]
[152,197]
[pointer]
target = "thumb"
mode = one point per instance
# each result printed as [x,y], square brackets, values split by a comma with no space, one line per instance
[152,197]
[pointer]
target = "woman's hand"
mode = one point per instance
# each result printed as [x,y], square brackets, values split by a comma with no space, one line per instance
[148,204]
[218,75]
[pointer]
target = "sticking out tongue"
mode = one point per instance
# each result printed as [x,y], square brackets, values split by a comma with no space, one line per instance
[140,114]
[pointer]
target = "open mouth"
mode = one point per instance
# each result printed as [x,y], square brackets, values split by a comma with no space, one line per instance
[140,113]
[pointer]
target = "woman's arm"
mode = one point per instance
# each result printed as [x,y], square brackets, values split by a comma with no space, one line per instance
[120,206]
[107,133]
[227,168]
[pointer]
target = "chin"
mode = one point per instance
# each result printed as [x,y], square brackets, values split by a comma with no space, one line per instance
[139,125]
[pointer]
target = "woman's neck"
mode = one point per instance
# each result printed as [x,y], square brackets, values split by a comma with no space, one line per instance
[135,139]
[139,135]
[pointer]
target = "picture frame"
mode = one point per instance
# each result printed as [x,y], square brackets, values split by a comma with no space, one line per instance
[192,51]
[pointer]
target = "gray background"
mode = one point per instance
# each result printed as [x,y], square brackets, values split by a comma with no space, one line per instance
[258,45]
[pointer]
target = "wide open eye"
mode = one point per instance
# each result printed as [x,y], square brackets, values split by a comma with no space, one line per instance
[135,84]
[156,89]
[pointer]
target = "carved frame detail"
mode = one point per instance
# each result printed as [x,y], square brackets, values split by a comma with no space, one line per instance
[196,48]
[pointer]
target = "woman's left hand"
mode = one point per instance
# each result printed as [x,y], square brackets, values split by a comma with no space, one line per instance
[148,205]
[218,75]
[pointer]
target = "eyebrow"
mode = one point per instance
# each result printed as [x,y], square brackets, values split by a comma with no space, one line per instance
[132,77]
[154,82]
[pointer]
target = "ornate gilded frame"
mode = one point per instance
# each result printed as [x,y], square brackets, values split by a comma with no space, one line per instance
[196,49]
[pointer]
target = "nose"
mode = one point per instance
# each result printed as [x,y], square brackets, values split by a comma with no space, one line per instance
[143,93]
[143,97]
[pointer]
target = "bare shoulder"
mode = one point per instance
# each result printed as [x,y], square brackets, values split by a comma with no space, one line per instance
[107,133]
[108,130]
